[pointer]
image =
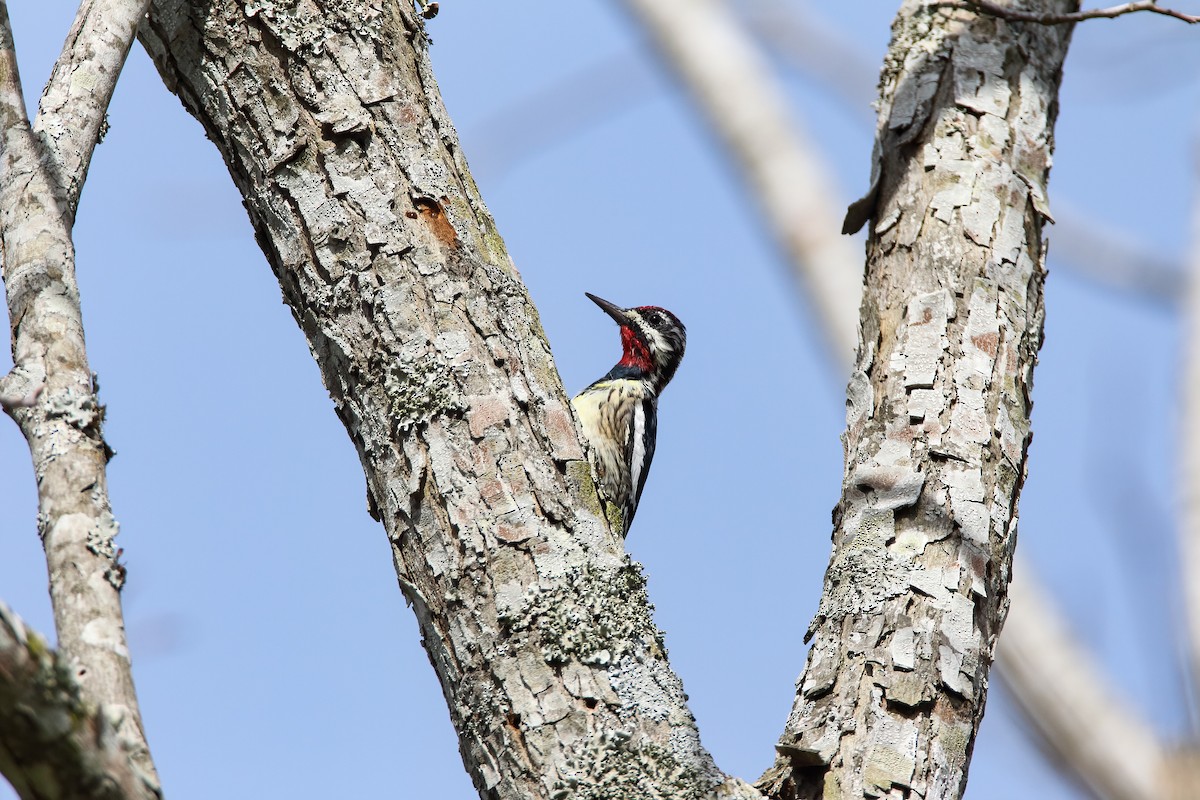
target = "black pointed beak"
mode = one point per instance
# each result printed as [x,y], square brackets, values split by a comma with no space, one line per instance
[613,310]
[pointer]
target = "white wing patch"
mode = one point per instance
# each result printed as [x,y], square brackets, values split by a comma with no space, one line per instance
[639,448]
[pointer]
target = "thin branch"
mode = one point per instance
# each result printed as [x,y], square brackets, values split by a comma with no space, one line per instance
[75,102]
[52,385]
[13,118]
[1189,455]
[53,742]
[1017,15]
[1079,713]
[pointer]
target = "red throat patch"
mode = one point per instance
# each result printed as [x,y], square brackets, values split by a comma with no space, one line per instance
[636,354]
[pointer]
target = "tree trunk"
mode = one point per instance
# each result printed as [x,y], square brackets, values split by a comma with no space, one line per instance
[536,622]
[937,411]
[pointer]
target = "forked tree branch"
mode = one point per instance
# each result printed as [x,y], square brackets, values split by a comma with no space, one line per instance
[1018,15]
[51,390]
[74,103]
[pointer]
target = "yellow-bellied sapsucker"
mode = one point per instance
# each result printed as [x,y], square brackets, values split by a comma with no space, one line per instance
[619,412]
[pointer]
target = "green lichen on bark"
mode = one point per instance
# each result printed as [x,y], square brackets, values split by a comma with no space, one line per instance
[303,25]
[579,475]
[420,389]
[594,616]
[611,766]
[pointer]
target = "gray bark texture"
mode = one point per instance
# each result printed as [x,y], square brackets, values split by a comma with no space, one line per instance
[51,392]
[937,411]
[536,622]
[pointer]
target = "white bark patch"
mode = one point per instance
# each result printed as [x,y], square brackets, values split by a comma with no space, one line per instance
[955,195]
[979,83]
[891,757]
[958,622]
[884,225]
[925,404]
[892,486]
[928,582]
[903,649]
[966,502]
[860,402]
[980,215]
[107,634]
[924,338]
[969,423]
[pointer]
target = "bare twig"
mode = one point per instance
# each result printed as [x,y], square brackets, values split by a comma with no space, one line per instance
[53,741]
[42,168]
[1017,15]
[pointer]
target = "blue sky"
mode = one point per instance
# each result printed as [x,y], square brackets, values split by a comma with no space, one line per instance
[273,653]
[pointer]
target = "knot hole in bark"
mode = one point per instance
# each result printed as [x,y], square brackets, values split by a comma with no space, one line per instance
[431,211]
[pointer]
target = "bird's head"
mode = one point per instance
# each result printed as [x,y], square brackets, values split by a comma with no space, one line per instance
[652,338]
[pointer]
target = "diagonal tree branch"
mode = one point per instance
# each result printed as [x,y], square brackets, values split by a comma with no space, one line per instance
[53,742]
[72,112]
[1079,714]
[1036,651]
[534,619]
[56,405]
[703,43]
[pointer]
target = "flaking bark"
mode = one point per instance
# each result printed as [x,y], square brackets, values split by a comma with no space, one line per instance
[937,411]
[535,621]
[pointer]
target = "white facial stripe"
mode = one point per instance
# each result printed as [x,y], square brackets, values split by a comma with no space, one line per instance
[658,343]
